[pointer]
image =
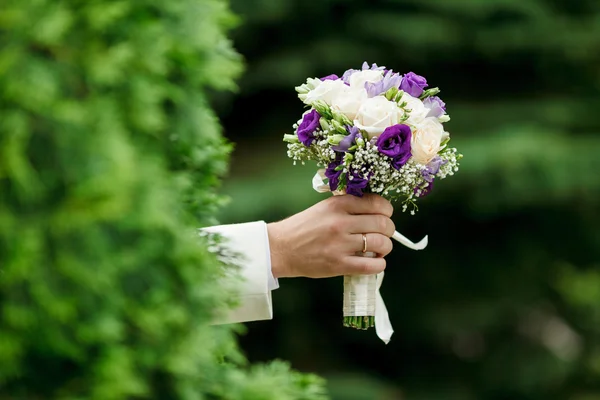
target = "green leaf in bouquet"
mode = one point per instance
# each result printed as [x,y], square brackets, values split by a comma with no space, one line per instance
[444,143]
[323,109]
[391,93]
[360,140]
[335,139]
[343,181]
[339,127]
[429,92]
[397,97]
[325,125]
[291,138]
[341,118]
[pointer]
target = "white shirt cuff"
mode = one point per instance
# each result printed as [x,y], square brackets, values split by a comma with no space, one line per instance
[272,281]
[250,240]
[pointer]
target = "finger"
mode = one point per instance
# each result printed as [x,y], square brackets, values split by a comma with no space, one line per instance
[357,265]
[371,224]
[368,204]
[376,243]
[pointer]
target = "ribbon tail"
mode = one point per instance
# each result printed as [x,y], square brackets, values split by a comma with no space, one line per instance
[319,183]
[406,242]
[383,326]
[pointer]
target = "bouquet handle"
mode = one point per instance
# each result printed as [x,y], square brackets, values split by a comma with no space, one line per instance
[363,305]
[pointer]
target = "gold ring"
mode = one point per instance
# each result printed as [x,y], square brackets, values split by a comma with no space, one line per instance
[364,250]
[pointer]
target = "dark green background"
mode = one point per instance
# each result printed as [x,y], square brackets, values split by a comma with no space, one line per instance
[505,301]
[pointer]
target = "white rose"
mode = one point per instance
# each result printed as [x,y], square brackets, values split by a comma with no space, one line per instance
[376,114]
[326,91]
[358,79]
[349,101]
[415,108]
[427,137]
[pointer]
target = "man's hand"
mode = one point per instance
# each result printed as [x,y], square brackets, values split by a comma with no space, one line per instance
[322,241]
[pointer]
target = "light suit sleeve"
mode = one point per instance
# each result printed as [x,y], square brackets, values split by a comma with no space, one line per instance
[251,241]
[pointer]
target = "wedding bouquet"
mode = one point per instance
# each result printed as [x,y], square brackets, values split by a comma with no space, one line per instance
[373,131]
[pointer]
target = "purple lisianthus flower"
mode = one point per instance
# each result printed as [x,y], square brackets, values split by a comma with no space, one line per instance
[436,106]
[331,77]
[413,84]
[348,141]
[390,80]
[332,175]
[356,185]
[394,142]
[308,126]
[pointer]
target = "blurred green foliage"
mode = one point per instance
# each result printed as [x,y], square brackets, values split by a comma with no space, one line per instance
[503,304]
[109,161]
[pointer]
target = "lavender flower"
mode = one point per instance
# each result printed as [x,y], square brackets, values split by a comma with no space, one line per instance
[308,126]
[365,66]
[394,142]
[424,191]
[346,76]
[374,67]
[413,84]
[331,77]
[432,168]
[436,106]
[348,141]
[356,185]
[390,80]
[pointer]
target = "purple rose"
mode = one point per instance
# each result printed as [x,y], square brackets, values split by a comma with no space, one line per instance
[436,106]
[413,84]
[348,141]
[394,142]
[308,126]
[356,185]
[332,175]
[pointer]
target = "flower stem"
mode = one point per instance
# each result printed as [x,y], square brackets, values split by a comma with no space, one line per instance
[363,322]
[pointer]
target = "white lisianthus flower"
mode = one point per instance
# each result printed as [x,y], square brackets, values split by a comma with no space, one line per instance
[349,101]
[376,114]
[415,109]
[427,137]
[358,79]
[325,92]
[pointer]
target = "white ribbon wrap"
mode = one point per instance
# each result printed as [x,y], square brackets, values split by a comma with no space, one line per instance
[361,292]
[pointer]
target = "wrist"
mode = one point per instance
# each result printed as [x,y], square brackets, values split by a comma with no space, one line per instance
[278,268]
